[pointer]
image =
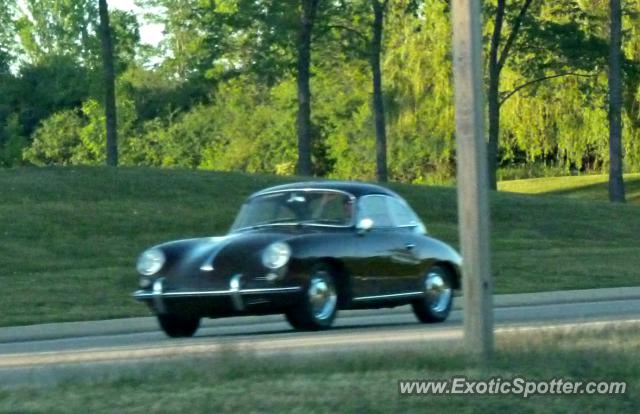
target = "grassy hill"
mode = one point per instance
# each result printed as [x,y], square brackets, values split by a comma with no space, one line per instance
[586,187]
[69,237]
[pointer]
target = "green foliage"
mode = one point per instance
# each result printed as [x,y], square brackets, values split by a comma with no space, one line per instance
[126,35]
[59,27]
[13,141]
[69,254]
[343,114]
[77,136]
[248,127]
[157,95]
[7,34]
[421,124]
[254,128]
[221,91]
[50,85]
[56,140]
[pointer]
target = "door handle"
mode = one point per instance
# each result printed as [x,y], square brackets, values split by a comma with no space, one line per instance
[409,246]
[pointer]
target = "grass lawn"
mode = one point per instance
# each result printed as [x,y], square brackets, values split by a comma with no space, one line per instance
[69,237]
[586,187]
[358,382]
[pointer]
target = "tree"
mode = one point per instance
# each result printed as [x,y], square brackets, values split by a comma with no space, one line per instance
[497,59]
[7,34]
[109,85]
[616,183]
[125,34]
[308,11]
[9,124]
[49,27]
[379,8]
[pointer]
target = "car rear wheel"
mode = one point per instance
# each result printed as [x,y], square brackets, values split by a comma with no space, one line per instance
[177,326]
[318,308]
[435,306]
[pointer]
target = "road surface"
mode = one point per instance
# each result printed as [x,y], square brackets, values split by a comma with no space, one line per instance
[55,359]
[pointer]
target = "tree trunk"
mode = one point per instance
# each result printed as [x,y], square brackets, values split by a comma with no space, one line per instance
[307,16]
[378,103]
[616,183]
[493,98]
[494,131]
[109,85]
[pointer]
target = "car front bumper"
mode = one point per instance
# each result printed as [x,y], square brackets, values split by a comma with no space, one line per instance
[159,297]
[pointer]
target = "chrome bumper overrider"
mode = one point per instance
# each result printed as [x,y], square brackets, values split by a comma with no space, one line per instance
[235,292]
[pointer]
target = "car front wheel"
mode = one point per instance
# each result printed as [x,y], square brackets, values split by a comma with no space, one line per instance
[318,308]
[435,305]
[177,326]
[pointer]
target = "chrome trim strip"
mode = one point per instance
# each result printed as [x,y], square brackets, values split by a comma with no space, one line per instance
[271,290]
[234,288]
[140,294]
[390,296]
[148,295]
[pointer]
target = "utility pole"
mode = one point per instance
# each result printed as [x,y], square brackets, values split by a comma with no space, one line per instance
[472,177]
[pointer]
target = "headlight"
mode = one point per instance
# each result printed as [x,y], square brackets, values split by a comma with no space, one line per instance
[150,262]
[276,255]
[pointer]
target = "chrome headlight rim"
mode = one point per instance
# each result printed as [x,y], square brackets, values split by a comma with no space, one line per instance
[276,255]
[150,262]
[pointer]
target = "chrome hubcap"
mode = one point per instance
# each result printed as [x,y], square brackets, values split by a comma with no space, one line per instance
[323,297]
[437,291]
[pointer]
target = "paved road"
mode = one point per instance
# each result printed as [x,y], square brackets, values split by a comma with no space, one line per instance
[44,359]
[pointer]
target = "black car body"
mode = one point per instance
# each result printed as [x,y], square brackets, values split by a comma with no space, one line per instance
[306,250]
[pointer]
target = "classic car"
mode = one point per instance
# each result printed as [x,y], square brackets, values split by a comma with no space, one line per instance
[306,250]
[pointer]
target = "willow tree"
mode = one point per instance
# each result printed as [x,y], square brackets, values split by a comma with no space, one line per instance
[498,55]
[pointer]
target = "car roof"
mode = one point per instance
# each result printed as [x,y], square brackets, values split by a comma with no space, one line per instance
[355,188]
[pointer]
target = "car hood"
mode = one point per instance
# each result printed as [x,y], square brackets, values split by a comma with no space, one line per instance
[217,257]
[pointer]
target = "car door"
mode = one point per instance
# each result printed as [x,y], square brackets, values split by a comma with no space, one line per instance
[385,258]
[411,232]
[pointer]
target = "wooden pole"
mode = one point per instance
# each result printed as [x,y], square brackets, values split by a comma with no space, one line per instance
[473,183]
[616,181]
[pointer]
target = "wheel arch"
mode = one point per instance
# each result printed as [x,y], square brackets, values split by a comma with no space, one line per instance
[453,270]
[341,276]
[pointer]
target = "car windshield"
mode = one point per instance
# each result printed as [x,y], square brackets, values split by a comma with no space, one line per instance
[314,207]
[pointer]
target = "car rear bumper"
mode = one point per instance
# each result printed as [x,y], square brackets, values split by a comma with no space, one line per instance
[160,299]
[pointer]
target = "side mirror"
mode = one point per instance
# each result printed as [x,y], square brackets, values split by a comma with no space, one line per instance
[364,225]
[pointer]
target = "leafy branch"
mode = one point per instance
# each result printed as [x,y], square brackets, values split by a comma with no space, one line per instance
[542,79]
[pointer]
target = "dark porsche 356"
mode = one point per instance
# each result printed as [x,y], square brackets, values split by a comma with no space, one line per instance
[306,250]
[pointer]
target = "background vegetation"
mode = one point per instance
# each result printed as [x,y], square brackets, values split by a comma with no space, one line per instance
[219,92]
[70,236]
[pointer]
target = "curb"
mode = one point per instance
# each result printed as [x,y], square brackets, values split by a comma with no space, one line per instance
[51,331]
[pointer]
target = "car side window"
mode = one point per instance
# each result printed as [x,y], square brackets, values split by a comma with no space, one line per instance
[375,208]
[400,214]
[403,216]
